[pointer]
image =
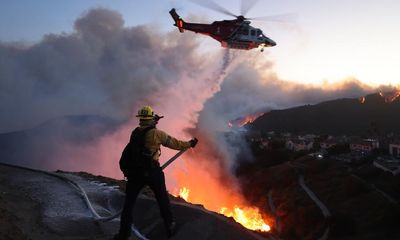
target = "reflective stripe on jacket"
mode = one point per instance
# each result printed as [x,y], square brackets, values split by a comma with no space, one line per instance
[155,138]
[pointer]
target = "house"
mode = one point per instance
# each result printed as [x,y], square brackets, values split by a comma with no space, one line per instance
[394,149]
[330,142]
[308,137]
[298,145]
[364,146]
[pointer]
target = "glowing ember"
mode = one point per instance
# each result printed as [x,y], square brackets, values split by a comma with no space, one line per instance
[240,122]
[184,193]
[250,119]
[249,217]
[362,99]
[392,97]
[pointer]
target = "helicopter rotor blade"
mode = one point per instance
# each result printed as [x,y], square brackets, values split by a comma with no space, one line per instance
[213,6]
[283,18]
[246,5]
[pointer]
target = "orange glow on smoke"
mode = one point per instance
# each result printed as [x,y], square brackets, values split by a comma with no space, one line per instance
[215,197]
[203,177]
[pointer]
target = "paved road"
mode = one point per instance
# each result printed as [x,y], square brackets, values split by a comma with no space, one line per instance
[325,211]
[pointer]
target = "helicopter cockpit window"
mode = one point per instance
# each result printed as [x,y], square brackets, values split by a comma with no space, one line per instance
[253,32]
[260,35]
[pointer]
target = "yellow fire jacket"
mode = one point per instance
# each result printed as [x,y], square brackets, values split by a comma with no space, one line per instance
[155,138]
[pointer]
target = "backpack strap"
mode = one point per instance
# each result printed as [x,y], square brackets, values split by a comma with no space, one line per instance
[138,136]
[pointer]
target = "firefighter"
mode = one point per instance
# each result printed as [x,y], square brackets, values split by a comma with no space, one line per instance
[140,164]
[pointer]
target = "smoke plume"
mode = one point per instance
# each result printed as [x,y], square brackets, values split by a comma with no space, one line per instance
[102,68]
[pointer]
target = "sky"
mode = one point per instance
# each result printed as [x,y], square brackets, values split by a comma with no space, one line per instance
[327,41]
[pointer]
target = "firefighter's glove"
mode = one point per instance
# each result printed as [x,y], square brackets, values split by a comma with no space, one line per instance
[193,142]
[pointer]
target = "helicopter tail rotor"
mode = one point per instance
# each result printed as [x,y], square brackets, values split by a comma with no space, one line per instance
[178,20]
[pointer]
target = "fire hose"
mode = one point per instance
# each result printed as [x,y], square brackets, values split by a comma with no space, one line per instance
[109,218]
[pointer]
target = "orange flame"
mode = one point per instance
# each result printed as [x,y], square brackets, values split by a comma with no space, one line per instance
[210,183]
[248,119]
[392,97]
[249,217]
[184,193]
[362,99]
[245,120]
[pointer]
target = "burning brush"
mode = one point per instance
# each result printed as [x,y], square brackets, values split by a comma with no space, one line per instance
[248,217]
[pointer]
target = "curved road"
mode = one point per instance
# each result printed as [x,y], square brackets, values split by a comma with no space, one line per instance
[325,211]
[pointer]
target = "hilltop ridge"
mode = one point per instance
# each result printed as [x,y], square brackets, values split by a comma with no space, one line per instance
[347,116]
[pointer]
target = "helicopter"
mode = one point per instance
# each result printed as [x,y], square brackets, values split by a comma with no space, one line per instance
[235,34]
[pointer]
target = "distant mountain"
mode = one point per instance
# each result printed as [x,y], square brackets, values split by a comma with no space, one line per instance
[374,113]
[36,147]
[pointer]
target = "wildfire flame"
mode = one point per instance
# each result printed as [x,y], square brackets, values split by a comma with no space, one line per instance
[211,185]
[245,120]
[392,97]
[184,193]
[249,217]
[389,97]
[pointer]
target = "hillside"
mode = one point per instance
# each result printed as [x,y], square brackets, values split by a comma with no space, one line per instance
[354,197]
[40,205]
[372,113]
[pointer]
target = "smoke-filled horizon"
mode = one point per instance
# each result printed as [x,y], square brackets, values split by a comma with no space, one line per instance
[108,70]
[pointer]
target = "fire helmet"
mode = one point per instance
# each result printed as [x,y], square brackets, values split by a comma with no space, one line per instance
[146,113]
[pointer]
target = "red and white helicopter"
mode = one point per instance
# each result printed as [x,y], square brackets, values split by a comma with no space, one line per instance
[237,33]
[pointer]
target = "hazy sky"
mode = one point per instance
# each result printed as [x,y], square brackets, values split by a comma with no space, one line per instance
[330,40]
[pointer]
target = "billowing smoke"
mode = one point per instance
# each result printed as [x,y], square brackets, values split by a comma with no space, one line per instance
[99,75]
[102,68]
